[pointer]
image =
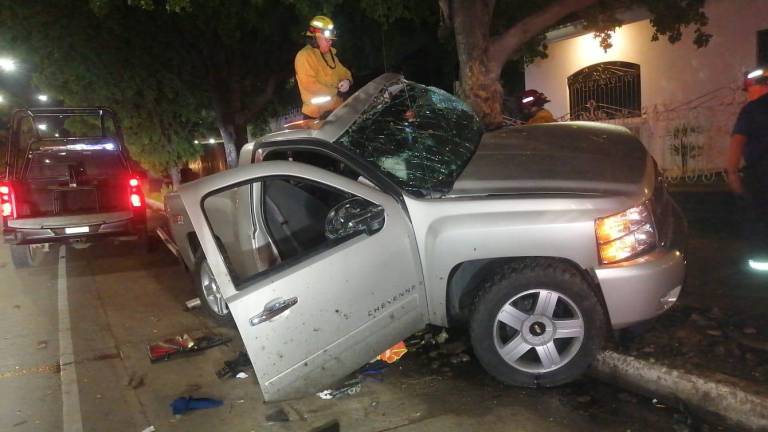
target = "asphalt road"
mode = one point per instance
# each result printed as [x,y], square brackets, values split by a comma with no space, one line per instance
[73,358]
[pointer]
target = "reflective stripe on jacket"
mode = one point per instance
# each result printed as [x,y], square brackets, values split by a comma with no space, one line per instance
[317,78]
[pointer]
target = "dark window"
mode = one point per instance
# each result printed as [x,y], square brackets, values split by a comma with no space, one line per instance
[762,47]
[605,91]
[294,212]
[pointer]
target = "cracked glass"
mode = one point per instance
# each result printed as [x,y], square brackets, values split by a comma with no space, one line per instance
[420,137]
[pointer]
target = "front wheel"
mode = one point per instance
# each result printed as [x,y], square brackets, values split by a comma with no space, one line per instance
[211,299]
[27,255]
[537,324]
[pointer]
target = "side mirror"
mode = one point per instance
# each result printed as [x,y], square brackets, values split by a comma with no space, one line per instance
[354,216]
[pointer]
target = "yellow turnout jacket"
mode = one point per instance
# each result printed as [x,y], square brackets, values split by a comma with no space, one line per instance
[319,75]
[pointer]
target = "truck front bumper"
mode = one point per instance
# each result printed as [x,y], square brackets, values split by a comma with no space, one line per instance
[643,288]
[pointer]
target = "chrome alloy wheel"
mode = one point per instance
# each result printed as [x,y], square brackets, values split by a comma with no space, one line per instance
[538,331]
[211,291]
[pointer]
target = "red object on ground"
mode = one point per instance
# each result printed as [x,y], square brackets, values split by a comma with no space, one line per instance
[394,353]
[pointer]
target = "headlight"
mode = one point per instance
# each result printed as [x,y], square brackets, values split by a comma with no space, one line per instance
[625,235]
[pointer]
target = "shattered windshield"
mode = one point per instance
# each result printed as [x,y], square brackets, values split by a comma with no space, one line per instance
[420,137]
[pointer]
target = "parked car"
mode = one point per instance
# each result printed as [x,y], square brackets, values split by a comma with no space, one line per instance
[68,178]
[332,242]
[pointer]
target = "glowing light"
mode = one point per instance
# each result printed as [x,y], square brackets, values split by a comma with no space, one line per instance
[755,74]
[133,182]
[528,99]
[42,126]
[135,200]
[7,64]
[317,100]
[2,99]
[42,98]
[211,141]
[758,265]
[197,142]
[5,190]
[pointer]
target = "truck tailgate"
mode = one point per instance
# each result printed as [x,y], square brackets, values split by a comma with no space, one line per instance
[70,220]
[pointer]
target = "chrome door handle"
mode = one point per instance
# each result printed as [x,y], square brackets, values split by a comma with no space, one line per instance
[272,310]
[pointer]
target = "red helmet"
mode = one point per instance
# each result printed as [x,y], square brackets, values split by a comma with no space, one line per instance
[758,76]
[531,98]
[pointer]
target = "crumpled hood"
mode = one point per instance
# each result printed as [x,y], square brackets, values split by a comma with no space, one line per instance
[573,157]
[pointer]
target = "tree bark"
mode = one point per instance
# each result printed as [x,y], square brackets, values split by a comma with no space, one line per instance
[175,173]
[482,58]
[482,91]
[235,136]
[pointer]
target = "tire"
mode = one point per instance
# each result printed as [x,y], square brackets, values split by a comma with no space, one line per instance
[208,292]
[511,353]
[24,256]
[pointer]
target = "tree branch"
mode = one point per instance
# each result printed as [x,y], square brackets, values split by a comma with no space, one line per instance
[505,45]
[256,104]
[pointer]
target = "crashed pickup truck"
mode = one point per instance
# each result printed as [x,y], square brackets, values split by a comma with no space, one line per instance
[68,178]
[334,240]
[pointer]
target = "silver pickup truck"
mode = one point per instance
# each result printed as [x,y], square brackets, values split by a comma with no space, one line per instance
[336,239]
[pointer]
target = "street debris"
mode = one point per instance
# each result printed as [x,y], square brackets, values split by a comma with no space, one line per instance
[234,367]
[135,381]
[241,375]
[278,416]
[184,344]
[193,303]
[332,426]
[394,353]
[149,429]
[348,388]
[42,344]
[184,404]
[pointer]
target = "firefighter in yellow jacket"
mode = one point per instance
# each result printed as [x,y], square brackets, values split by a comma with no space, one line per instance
[320,75]
[532,105]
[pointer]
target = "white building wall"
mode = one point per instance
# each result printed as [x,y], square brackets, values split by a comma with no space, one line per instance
[690,96]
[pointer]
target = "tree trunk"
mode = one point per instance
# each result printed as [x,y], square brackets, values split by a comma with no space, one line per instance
[480,86]
[481,58]
[175,173]
[235,136]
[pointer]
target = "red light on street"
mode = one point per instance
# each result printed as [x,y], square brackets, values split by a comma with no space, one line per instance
[6,201]
[135,200]
[133,182]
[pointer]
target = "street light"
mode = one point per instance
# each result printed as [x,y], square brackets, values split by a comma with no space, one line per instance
[42,98]
[7,64]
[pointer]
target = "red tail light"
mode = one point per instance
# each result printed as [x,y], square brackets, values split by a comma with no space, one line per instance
[136,198]
[7,208]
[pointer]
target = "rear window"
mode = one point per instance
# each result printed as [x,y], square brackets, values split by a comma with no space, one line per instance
[73,126]
[83,164]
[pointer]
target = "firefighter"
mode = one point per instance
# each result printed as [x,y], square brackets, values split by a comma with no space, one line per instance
[749,142]
[321,77]
[532,106]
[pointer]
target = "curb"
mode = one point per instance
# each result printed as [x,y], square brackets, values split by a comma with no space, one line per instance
[737,401]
